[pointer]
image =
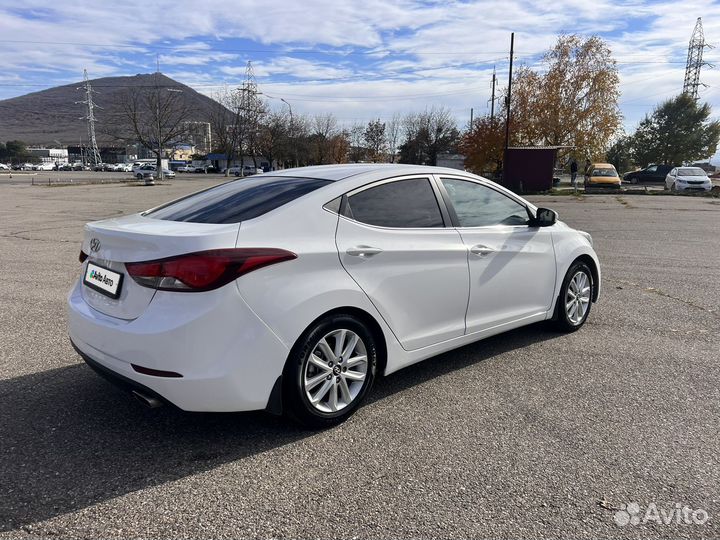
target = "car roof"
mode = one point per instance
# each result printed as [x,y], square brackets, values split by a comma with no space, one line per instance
[603,165]
[337,173]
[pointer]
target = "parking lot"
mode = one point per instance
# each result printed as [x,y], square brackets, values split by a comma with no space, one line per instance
[527,434]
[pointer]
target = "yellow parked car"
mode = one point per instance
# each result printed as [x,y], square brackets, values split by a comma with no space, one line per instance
[602,175]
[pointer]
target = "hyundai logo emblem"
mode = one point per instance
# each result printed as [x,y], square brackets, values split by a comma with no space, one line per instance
[95,244]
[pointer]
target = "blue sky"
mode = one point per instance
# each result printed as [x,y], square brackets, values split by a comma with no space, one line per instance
[358,60]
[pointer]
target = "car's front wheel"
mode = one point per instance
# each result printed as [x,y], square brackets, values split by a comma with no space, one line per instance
[330,371]
[575,300]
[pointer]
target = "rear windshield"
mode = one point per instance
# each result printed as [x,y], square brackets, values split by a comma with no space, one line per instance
[236,201]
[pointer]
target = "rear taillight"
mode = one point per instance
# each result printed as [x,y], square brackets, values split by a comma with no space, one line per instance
[205,270]
[83,256]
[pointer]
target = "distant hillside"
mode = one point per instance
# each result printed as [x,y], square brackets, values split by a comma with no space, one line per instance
[51,116]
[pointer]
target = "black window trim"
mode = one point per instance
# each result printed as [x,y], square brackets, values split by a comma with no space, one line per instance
[451,209]
[444,214]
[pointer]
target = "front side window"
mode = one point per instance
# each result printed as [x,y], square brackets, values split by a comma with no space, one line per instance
[652,169]
[477,205]
[402,204]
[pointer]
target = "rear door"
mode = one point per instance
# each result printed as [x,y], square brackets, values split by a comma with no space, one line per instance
[392,240]
[512,265]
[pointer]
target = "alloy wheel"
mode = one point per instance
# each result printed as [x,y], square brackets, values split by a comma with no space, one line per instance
[335,371]
[577,298]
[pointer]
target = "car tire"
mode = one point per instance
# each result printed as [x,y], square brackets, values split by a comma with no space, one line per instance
[633,180]
[575,299]
[139,176]
[318,390]
[673,188]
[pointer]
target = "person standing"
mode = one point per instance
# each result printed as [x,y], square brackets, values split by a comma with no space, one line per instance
[573,173]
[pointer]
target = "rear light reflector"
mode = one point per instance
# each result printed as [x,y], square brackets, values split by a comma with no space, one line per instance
[83,256]
[204,270]
[155,372]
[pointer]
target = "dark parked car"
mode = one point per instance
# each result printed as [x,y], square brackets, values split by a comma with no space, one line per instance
[654,173]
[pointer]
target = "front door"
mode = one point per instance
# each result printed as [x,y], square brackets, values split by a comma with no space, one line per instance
[512,266]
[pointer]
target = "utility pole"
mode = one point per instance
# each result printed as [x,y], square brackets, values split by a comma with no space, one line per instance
[158,162]
[694,61]
[509,96]
[90,117]
[492,98]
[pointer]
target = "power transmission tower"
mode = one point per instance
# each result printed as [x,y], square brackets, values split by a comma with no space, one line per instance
[93,153]
[695,61]
[249,110]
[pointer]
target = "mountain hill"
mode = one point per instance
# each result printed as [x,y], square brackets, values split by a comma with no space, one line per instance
[52,116]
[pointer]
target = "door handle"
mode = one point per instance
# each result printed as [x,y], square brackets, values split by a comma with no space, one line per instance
[481,250]
[363,251]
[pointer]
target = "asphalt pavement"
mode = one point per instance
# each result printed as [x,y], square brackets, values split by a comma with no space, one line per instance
[527,434]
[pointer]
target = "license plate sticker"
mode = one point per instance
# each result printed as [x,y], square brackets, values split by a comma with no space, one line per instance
[103,280]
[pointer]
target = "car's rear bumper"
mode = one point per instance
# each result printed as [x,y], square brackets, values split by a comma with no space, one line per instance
[227,358]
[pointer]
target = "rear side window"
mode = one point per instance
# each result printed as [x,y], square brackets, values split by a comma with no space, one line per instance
[237,201]
[402,204]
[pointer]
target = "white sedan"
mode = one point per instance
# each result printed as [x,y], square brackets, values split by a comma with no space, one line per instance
[688,179]
[292,291]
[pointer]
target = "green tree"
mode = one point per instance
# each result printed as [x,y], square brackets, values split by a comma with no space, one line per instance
[677,131]
[620,154]
[374,138]
[16,152]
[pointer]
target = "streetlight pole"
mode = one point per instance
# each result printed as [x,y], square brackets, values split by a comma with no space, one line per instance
[292,131]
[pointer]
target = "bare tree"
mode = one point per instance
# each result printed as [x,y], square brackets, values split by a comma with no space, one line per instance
[225,123]
[392,130]
[324,127]
[340,146]
[157,118]
[357,150]
[427,134]
[274,138]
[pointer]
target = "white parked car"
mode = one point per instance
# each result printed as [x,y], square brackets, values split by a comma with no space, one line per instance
[688,179]
[245,170]
[293,291]
[4,167]
[143,171]
[43,167]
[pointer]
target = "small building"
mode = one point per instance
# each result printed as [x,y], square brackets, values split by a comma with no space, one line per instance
[529,169]
[55,156]
[453,161]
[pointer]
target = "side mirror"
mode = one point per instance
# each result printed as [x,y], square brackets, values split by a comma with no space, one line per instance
[544,218]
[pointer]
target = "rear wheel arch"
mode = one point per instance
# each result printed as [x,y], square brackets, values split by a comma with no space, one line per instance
[289,395]
[364,317]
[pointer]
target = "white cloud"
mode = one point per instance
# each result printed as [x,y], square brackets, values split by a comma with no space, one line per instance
[381,56]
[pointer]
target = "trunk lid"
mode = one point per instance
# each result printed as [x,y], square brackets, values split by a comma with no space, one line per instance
[111,243]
